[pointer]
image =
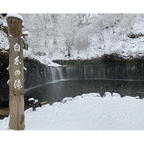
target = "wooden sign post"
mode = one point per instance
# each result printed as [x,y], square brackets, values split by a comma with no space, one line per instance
[16,74]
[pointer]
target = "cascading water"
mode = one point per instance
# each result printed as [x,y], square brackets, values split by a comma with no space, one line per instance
[56,73]
[59,72]
[53,74]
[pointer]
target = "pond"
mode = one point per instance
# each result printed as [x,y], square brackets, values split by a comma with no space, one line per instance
[56,91]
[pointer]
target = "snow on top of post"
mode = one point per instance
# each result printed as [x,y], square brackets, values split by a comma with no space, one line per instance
[15,15]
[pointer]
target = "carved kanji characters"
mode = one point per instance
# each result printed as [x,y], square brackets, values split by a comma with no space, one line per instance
[17,84]
[16,61]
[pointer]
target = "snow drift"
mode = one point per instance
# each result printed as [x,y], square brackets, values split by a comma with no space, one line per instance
[87,112]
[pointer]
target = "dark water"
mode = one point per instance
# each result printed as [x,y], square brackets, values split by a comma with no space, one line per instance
[56,91]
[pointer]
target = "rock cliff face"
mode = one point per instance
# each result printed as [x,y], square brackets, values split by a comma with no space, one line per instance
[4,90]
[36,73]
[107,67]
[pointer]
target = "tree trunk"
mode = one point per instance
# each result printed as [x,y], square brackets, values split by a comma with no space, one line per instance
[69,53]
[16,74]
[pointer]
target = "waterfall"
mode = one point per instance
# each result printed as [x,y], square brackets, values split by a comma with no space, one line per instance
[59,72]
[56,73]
[53,73]
[85,72]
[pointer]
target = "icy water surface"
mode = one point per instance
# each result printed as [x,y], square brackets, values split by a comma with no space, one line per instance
[56,91]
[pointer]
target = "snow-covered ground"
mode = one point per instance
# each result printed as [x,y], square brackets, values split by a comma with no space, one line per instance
[87,112]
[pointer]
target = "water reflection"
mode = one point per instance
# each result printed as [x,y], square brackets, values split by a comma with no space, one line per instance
[56,91]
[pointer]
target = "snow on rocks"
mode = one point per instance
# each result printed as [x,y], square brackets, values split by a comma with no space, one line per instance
[86,112]
[116,95]
[26,33]
[107,94]
[31,99]
[67,99]
[36,101]
[137,97]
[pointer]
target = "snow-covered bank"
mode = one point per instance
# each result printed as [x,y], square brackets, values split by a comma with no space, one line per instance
[87,112]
